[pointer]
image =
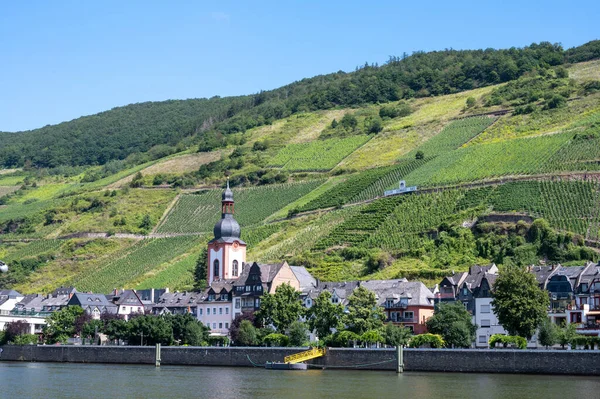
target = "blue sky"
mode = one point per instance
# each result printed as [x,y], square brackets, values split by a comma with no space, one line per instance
[63,59]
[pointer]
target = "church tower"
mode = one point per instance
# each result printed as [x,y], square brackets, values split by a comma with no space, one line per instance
[226,252]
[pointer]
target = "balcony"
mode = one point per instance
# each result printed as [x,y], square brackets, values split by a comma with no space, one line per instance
[403,320]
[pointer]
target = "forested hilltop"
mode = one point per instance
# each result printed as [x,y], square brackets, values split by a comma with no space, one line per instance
[127,131]
[504,146]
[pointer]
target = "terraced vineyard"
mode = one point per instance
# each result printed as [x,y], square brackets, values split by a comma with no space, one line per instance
[515,157]
[318,155]
[454,135]
[195,213]
[33,248]
[177,277]
[142,258]
[363,186]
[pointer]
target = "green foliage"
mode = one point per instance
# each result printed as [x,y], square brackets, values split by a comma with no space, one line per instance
[60,325]
[342,339]
[453,322]
[319,155]
[324,316]
[298,334]
[372,337]
[199,212]
[519,303]
[363,313]
[280,309]
[275,339]
[187,330]
[397,335]
[547,333]
[470,103]
[395,111]
[508,340]
[25,339]
[427,341]
[247,334]
[566,334]
[149,330]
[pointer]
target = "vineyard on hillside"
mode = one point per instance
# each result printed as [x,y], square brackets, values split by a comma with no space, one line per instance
[142,258]
[32,249]
[318,155]
[363,186]
[195,213]
[454,135]
[177,277]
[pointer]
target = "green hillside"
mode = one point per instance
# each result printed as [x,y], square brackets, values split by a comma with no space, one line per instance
[507,169]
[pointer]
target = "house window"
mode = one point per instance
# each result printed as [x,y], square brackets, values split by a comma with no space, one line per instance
[465,291]
[483,339]
[389,303]
[259,288]
[257,303]
[208,311]
[485,308]
[208,325]
[335,299]
[411,328]
[394,316]
[220,325]
[584,287]
[214,310]
[237,303]
[220,310]
[216,268]
[248,288]
[409,316]
[214,325]
[235,268]
[211,297]
[485,323]
[200,311]
[226,310]
[223,297]
[226,325]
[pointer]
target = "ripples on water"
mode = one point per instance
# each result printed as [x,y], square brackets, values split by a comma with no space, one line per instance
[57,380]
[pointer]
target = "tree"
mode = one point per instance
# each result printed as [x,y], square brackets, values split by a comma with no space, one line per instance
[372,337]
[547,333]
[280,309]
[246,334]
[324,315]
[149,330]
[298,333]
[363,312]
[14,329]
[187,330]
[146,223]
[518,302]
[453,322]
[137,180]
[374,124]
[396,336]
[60,325]
[419,155]
[566,334]
[200,270]
[471,102]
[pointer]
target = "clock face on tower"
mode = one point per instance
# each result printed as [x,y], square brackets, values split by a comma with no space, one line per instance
[236,245]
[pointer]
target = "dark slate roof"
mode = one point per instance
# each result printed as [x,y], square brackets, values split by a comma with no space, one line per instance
[268,271]
[476,275]
[341,290]
[10,294]
[542,273]
[64,291]
[90,301]
[416,292]
[227,228]
[591,273]
[125,297]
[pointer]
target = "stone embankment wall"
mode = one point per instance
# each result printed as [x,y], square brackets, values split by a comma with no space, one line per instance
[446,360]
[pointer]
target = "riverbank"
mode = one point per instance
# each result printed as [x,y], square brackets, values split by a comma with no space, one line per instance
[445,360]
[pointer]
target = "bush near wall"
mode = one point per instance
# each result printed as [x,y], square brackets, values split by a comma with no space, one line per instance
[427,341]
[507,340]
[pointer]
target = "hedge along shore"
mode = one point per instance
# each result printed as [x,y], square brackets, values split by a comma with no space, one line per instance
[559,362]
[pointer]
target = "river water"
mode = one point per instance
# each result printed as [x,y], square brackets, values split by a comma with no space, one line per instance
[59,380]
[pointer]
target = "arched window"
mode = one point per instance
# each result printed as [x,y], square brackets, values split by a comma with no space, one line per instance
[235,268]
[216,268]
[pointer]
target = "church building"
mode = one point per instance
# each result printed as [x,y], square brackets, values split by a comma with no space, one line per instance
[226,252]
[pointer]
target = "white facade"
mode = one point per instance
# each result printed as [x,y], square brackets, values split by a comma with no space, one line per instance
[486,321]
[36,323]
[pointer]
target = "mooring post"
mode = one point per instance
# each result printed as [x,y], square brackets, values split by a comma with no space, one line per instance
[400,359]
[157,360]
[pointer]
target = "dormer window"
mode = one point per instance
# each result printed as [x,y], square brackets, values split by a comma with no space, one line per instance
[465,291]
[389,303]
[211,297]
[223,297]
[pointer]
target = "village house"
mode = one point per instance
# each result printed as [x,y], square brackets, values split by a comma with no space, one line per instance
[93,304]
[128,303]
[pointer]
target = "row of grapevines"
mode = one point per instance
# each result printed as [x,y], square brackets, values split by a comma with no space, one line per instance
[34,248]
[146,256]
[252,236]
[318,155]
[514,157]
[199,212]
[454,135]
[177,277]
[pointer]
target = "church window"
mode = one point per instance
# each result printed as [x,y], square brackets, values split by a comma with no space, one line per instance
[216,268]
[235,268]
